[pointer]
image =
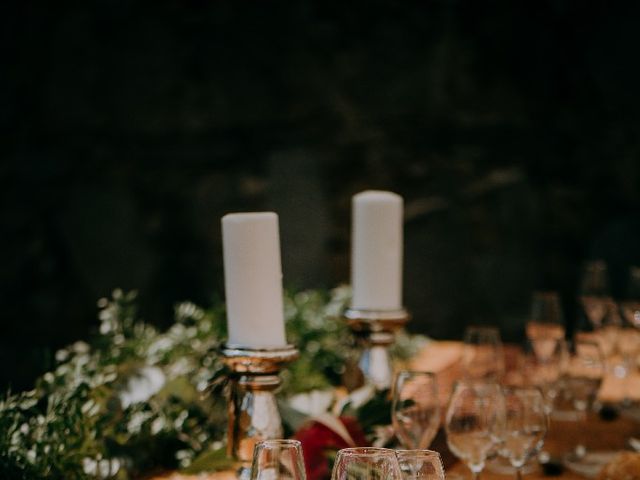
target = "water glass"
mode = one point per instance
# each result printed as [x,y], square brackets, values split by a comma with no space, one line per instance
[585,371]
[415,409]
[525,425]
[278,460]
[364,463]
[416,464]
[544,371]
[483,354]
[582,379]
[594,291]
[474,415]
[546,323]
[631,304]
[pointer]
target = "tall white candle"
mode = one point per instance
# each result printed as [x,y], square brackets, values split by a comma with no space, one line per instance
[376,251]
[253,280]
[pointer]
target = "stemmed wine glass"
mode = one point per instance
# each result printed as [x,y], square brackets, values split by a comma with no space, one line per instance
[583,376]
[278,460]
[415,409]
[631,304]
[609,331]
[594,291]
[483,354]
[629,337]
[472,421]
[415,464]
[544,366]
[524,427]
[363,463]
[546,323]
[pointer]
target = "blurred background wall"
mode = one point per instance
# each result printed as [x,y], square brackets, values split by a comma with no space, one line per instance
[129,128]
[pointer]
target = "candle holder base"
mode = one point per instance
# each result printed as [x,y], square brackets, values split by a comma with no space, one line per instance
[253,409]
[375,332]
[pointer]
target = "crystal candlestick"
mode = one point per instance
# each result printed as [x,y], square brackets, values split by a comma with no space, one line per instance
[252,408]
[375,332]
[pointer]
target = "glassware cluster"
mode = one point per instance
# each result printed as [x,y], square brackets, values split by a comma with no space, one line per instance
[490,414]
[283,460]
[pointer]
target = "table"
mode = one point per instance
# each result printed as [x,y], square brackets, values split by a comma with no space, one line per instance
[444,358]
[595,433]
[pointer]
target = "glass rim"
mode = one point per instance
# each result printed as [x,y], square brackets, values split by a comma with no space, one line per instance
[409,372]
[366,451]
[425,452]
[282,442]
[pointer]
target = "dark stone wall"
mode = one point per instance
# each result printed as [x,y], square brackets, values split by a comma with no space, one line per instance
[128,128]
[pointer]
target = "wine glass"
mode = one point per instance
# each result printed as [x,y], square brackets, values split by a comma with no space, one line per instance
[594,291]
[416,464]
[475,411]
[483,355]
[583,376]
[278,460]
[546,323]
[524,427]
[364,463]
[629,337]
[415,409]
[609,332]
[629,348]
[631,304]
[544,370]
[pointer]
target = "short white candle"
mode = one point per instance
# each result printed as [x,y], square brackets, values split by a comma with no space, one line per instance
[376,251]
[253,280]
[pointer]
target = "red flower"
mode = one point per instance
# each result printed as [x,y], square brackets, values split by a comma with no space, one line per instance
[319,440]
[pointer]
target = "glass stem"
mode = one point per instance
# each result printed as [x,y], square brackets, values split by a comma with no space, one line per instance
[519,473]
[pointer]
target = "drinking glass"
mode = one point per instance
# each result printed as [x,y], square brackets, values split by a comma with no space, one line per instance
[594,291]
[629,336]
[546,323]
[278,460]
[609,332]
[629,348]
[483,355]
[631,304]
[584,373]
[525,425]
[363,463]
[415,409]
[416,464]
[472,421]
[544,371]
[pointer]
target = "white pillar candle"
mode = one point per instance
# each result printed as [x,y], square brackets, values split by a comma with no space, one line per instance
[376,251]
[253,280]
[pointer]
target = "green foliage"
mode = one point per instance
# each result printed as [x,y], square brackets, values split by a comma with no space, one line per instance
[131,400]
[136,398]
[315,326]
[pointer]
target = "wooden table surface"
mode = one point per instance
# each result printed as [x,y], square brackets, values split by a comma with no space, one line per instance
[594,433]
